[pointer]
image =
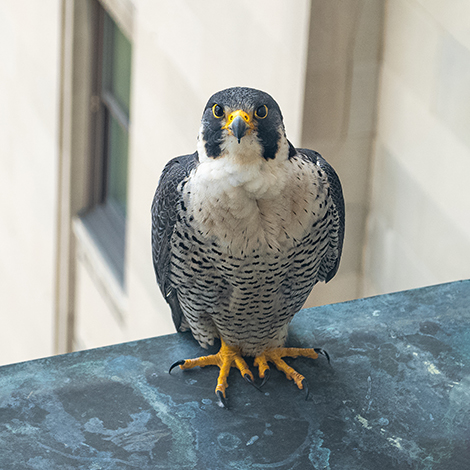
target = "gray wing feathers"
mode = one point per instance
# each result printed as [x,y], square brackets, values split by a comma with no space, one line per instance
[164,215]
[330,264]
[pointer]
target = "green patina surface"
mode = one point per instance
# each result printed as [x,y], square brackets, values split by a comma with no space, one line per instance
[397,395]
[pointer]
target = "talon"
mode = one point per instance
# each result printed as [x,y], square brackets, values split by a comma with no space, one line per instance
[177,363]
[251,382]
[222,400]
[248,379]
[267,374]
[323,353]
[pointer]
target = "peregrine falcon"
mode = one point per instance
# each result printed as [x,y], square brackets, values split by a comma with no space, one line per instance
[242,230]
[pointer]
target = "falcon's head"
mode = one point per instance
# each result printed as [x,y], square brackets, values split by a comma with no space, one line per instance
[243,123]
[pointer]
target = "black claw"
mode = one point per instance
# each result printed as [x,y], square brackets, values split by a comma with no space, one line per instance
[323,353]
[305,387]
[250,381]
[222,400]
[267,374]
[177,363]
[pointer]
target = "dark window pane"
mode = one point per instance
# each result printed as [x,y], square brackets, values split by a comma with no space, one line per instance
[117,64]
[116,85]
[107,60]
[117,179]
[122,69]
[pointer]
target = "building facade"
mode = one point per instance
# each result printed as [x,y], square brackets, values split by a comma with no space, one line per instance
[97,95]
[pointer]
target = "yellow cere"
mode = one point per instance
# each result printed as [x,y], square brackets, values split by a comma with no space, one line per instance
[239,112]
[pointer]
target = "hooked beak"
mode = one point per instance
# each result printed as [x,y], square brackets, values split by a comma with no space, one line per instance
[238,127]
[239,123]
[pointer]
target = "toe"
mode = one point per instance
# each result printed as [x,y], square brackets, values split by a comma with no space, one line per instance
[261,362]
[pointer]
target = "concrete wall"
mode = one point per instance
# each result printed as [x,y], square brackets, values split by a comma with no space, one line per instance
[29,75]
[419,224]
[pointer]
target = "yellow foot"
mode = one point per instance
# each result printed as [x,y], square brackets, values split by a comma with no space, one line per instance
[275,356]
[227,357]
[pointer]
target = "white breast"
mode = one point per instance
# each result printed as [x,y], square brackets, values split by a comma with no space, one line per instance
[259,205]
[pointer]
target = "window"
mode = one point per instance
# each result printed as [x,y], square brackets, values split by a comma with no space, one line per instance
[110,102]
[93,139]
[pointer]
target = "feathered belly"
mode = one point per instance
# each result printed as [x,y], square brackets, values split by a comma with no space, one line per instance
[248,301]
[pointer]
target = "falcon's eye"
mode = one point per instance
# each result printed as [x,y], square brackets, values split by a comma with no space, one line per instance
[261,112]
[217,111]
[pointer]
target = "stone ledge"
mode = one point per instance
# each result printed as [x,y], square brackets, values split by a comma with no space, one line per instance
[396,396]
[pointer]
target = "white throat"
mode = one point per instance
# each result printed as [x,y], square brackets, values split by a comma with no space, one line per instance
[241,165]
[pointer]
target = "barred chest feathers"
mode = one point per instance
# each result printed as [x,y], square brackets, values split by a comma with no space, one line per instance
[263,206]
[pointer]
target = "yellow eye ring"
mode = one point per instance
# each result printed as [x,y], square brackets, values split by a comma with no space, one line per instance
[218,111]
[261,112]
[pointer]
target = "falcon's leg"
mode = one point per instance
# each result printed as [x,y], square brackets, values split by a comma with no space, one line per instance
[275,356]
[227,357]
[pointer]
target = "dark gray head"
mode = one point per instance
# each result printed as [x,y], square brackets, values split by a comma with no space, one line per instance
[238,112]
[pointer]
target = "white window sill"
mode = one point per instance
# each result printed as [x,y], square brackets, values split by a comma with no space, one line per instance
[99,262]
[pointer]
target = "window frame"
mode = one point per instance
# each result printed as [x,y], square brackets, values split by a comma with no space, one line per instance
[105,222]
